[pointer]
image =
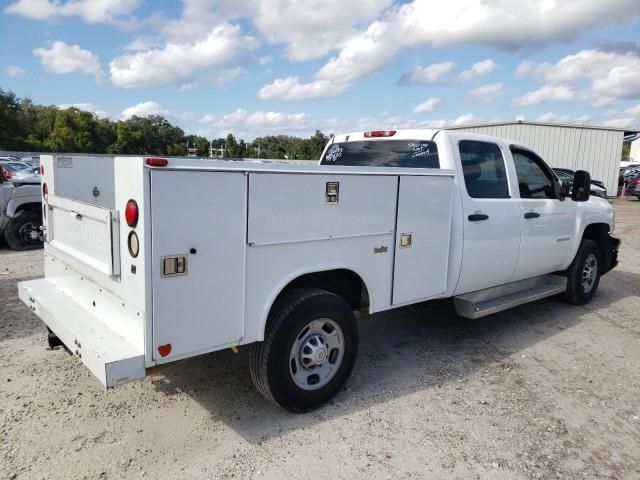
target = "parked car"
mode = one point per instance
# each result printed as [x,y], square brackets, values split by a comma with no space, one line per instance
[633,185]
[31,160]
[566,176]
[11,169]
[23,177]
[20,214]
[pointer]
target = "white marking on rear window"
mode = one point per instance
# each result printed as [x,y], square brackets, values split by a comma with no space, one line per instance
[418,149]
[334,153]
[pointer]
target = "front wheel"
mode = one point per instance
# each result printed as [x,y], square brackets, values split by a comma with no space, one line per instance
[583,275]
[309,350]
[23,231]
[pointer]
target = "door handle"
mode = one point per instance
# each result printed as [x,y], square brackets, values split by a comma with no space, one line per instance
[531,215]
[476,217]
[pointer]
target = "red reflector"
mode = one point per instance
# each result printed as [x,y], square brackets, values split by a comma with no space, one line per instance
[157,162]
[131,213]
[45,191]
[41,169]
[164,350]
[380,133]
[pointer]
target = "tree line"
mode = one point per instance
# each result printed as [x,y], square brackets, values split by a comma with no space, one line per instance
[26,126]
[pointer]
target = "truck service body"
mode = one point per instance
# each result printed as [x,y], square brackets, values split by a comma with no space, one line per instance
[153,260]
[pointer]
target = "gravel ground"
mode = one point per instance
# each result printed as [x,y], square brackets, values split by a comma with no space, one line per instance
[546,390]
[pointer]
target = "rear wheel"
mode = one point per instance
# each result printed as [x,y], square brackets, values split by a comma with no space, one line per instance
[583,275]
[309,350]
[23,231]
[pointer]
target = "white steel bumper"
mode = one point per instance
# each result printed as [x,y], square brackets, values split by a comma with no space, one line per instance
[109,356]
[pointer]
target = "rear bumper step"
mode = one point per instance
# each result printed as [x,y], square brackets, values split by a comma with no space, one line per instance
[496,299]
[108,355]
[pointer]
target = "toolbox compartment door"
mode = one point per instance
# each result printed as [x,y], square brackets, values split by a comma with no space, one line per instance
[198,261]
[424,219]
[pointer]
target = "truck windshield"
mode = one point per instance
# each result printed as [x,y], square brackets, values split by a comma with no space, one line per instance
[383,153]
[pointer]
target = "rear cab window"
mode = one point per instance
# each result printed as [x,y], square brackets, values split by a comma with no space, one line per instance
[484,169]
[383,153]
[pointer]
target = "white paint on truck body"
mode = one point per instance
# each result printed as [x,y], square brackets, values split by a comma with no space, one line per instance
[242,231]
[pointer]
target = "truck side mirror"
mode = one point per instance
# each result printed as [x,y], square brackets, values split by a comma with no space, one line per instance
[581,186]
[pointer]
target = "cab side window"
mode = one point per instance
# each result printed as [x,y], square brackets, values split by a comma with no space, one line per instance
[534,178]
[483,168]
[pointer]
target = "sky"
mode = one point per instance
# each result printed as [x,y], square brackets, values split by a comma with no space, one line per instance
[293,66]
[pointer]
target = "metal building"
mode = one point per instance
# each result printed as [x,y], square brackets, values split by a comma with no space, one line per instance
[595,149]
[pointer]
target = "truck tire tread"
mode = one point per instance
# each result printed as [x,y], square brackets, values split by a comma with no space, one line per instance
[261,351]
[11,231]
[574,293]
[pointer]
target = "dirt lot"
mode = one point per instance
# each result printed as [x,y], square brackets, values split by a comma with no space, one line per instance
[547,390]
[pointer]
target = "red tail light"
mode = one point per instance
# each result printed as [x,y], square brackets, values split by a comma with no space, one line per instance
[45,191]
[131,213]
[41,169]
[8,175]
[636,181]
[380,133]
[157,162]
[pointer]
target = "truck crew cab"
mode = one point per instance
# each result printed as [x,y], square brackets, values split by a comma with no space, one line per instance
[180,257]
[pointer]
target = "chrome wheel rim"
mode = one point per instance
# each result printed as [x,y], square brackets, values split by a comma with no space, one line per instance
[589,273]
[316,354]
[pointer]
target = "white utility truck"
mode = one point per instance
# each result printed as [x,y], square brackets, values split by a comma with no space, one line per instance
[153,260]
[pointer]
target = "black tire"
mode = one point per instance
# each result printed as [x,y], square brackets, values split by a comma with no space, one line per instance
[271,361]
[577,293]
[19,230]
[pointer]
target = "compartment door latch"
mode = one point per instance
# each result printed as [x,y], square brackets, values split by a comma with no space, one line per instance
[173,265]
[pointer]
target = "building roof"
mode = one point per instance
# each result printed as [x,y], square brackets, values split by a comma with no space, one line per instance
[626,131]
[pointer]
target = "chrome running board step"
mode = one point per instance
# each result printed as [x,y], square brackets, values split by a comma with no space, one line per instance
[496,299]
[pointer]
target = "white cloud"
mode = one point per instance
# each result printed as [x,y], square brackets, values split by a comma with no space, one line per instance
[421,22]
[144,109]
[525,69]
[596,76]
[424,75]
[62,58]
[310,28]
[629,118]
[478,69]
[243,123]
[428,106]
[465,119]
[551,117]
[486,93]
[200,16]
[291,90]
[91,11]
[546,93]
[85,107]
[141,43]
[228,74]
[224,46]
[14,71]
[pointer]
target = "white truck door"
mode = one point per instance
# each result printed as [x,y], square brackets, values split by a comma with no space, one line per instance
[422,238]
[198,261]
[491,217]
[548,224]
